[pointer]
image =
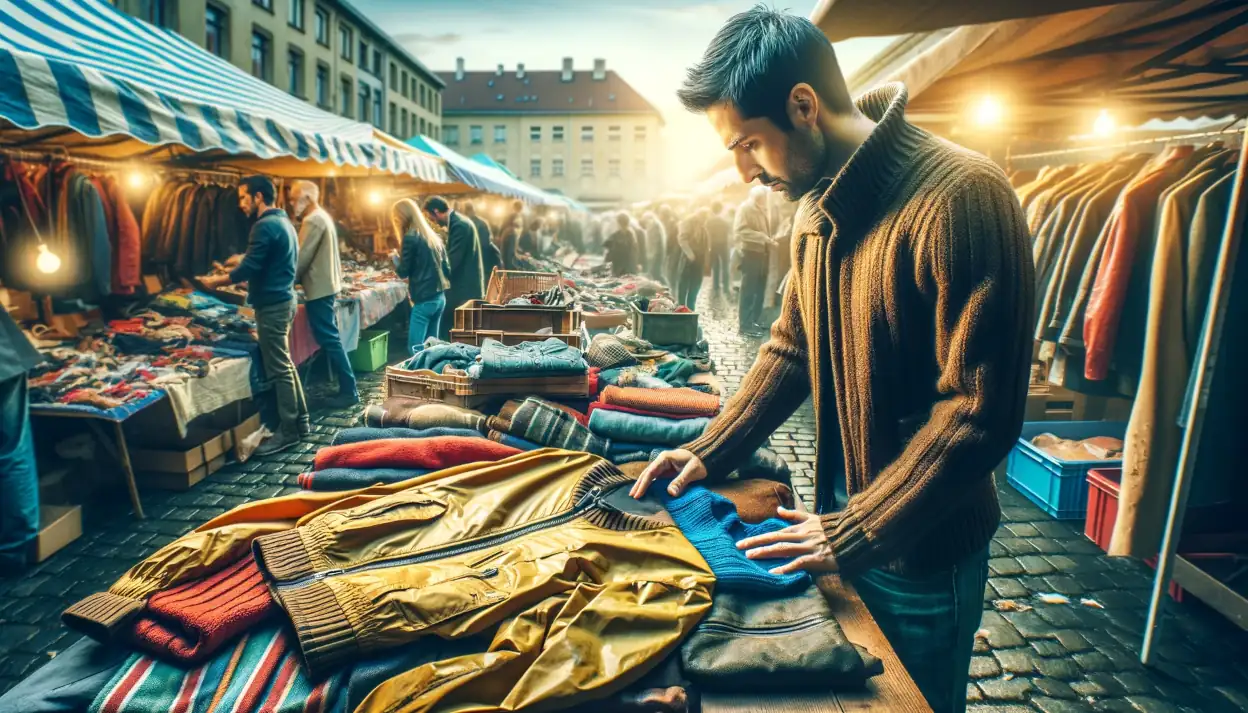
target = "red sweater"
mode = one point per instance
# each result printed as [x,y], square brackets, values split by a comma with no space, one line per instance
[427,453]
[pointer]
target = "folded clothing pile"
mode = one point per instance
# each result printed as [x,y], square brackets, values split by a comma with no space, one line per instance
[437,356]
[669,403]
[551,357]
[632,428]
[546,424]
[405,412]
[403,453]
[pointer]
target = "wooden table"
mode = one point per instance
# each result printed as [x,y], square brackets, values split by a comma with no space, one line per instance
[892,691]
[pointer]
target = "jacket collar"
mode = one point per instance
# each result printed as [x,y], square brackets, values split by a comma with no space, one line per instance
[864,184]
[272,211]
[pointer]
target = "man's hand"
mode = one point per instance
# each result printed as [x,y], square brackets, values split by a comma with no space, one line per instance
[804,541]
[687,468]
[234,260]
[212,282]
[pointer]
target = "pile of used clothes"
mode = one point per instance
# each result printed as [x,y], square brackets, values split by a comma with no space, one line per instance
[1085,449]
[495,360]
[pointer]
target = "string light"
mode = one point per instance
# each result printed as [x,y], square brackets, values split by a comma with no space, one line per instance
[1104,124]
[48,262]
[989,112]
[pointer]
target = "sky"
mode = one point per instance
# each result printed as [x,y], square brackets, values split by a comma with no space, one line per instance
[650,43]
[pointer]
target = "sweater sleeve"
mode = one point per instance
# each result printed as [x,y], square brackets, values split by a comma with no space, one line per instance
[981,285]
[257,253]
[771,391]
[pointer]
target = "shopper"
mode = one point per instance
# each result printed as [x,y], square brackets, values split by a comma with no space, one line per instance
[19,480]
[695,249]
[621,247]
[671,252]
[753,233]
[319,270]
[571,233]
[464,251]
[425,265]
[718,230]
[906,317]
[656,244]
[491,256]
[530,238]
[511,244]
[268,268]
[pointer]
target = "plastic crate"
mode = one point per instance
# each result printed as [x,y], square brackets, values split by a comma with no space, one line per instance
[479,336]
[457,389]
[372,351]
[509,284]
[481,315]
[1059,487]
[662,328]
[1103,485]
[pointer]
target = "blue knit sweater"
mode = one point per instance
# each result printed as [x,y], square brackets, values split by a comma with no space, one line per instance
[711,523]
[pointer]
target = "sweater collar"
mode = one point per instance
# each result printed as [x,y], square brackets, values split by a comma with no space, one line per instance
[864,184]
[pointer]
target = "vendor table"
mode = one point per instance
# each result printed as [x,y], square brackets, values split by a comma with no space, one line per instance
[893,691]
[359,311]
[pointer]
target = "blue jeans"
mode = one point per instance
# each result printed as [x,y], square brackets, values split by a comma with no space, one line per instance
[753,289]
[426,317]
[19,481]
[931,623]
[322,320]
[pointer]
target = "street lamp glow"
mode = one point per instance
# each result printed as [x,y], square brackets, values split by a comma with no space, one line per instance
[48,262]
[989,112]
[374,197]
[136,179]
[1104,124]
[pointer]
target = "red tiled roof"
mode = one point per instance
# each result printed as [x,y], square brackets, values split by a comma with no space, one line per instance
[540,92]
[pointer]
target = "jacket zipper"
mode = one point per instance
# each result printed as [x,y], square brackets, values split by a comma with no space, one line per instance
[808,622]
[587,501]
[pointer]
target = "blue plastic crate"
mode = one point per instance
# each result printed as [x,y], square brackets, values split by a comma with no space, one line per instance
[1059,487]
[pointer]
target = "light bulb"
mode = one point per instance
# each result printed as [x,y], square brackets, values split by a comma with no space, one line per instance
[989,112]
[136,179]
[374,197]
[48,262]
[1104,124]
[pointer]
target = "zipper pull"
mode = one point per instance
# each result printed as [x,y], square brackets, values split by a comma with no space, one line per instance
[327,573]
[489,573]
[589,497]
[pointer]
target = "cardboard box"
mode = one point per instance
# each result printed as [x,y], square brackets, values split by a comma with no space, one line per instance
[180,481]
[199,447]
[20,305]
[244,429]
[59,525]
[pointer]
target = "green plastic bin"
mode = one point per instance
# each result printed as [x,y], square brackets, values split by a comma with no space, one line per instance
[371,353]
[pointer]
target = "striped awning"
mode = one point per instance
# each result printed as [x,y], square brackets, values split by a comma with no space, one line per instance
[483,177]
[85,65]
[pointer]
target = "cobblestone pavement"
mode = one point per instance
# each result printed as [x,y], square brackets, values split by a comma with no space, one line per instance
[1050,659]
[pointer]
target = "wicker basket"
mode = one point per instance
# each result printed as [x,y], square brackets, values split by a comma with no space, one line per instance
[509,284]
[478,337]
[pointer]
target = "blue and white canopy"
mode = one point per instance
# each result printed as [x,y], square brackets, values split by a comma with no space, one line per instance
[85,65]
[483,177]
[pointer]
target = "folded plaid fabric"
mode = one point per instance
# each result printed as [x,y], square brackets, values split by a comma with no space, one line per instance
[550,425]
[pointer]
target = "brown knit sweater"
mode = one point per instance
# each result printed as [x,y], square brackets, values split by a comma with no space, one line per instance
[907,319]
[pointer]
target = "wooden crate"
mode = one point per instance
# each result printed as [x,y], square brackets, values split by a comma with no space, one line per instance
[457,389]
[509,284]
[478,337]
[481,315]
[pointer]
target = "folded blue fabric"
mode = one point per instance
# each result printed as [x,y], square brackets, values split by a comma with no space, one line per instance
[437,355]
[635,428]
[711,524]
[359,435]
[551,357]
[335,479]
[516,442]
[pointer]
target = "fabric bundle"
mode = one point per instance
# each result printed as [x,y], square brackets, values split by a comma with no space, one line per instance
[594,406]
[514,441]
[678,402]
[336,479]
[616,425]
[438,355]
[551,357]
[542,422]
[405,412]
[430,453]
[630,376]
[359,435]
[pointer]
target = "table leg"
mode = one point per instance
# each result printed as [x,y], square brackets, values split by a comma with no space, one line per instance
[122,454]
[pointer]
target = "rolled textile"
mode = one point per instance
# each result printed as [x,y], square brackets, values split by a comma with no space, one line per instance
[405,412]
[545,423]
[595,405]
[685,402]
[514,441]
[551,357]
[617,425]
[335,479]
[359,435]
[403,453]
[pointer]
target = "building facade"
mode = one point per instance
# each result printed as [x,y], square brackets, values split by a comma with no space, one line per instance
[586,134]
[323,51]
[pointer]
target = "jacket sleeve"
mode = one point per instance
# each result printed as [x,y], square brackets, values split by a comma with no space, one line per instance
[981,285]
[311,237]
[460,239]
[257,254]
[405,267]
[770,393]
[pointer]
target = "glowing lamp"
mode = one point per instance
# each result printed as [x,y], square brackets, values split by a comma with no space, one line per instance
[989,112]
[1104,124]
[48,262]
[374,197]
[136,179]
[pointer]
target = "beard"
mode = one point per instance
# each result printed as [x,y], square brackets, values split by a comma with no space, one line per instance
[806,156]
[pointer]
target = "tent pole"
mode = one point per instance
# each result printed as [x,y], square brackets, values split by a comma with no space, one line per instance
[1206,363]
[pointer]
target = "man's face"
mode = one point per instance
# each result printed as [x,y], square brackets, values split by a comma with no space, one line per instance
[245,202]
[299,202]
[779,159]
[439,218]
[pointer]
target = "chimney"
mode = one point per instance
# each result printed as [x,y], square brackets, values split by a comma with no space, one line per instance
[499,73]
[567,70]
[459,69]
[600,70]
[520,70]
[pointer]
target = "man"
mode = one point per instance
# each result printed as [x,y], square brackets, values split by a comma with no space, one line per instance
[694,244]
[268,268]
[905,318]
[671,257]
[464,251]
[491,256]
[621,247]
[717,232]
[754,236]
[319,270]
[570,231]
[656,244]
[19,481]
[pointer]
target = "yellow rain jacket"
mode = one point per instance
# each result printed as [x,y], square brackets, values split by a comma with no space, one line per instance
[587,587]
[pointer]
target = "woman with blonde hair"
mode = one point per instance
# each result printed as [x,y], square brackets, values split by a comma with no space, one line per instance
[424,264]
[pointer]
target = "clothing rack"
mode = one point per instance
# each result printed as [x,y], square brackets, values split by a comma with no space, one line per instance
[54,155]
[1201,136]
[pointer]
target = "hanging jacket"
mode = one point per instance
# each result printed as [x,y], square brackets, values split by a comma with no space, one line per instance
[123,232]
[586,587]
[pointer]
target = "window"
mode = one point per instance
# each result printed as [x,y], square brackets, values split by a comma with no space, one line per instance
[613,133]
[261,56]
[639,168]
[500,134]
[423,128]
[266,4]
[556,168]
[154,12]
[296,14]
[364,103]
[377,116]
[535,168]
[393,126]
[587,167]
[434,132]
[363,55]
[556,133]
[403,124]
[344,97]
[613,168]
[403,85]
[322,26]
[422,96]
[216,30]
[639,133]
[394,77]
[535,133]
[452,133]
[587,133]
[294,72]
[322,85]
[474,134]
[377,62]
[437,102]
[344,42]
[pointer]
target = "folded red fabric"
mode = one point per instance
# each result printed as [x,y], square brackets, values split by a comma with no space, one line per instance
[428,453]
[191,621]
[595,405]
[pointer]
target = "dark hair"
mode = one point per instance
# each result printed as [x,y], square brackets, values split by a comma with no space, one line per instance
[262,185]
[756,59]
[437,204]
